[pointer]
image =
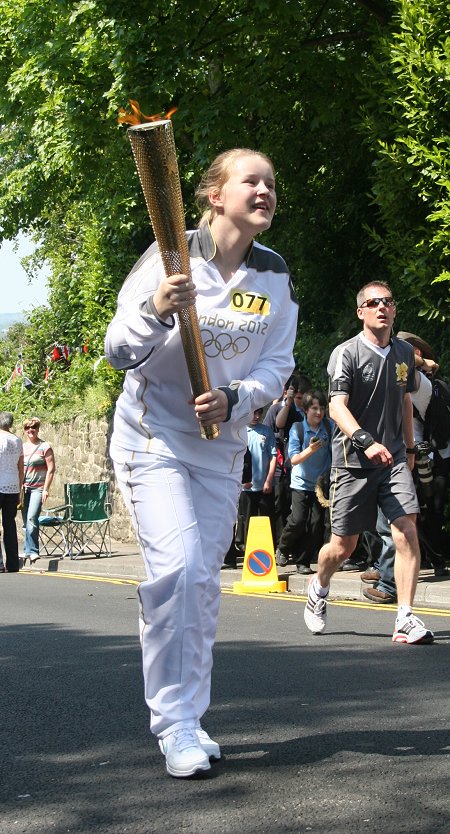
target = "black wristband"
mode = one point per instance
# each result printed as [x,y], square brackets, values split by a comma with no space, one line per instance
[410,451]
[362,439]
[232,397]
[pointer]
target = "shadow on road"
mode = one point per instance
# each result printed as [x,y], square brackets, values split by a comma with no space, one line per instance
[308,729]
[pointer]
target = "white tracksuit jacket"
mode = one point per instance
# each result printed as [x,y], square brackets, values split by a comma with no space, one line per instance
[248,328]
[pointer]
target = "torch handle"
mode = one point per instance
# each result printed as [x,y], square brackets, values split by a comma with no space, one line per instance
[196,360]
[153,148]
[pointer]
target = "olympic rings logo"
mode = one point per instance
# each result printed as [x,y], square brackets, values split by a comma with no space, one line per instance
[223,344]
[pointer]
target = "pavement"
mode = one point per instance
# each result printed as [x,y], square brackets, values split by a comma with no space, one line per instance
[126,563]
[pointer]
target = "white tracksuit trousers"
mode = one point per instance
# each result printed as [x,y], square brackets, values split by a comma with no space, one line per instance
[184,523]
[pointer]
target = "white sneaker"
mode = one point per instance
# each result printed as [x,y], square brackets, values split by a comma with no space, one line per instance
[184,754]
[280,559]
[210,747]
[411,630]
[315,611]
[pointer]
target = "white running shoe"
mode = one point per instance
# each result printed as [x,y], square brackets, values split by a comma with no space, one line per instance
[210,747]
[411,630]
[184,754]
[315,611]
[280,559]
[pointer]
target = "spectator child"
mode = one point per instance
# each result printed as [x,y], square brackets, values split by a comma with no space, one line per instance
[234,550]
[280,417]
[310,454]
[258,498]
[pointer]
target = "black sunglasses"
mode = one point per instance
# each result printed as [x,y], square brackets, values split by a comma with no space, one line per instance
[374,302]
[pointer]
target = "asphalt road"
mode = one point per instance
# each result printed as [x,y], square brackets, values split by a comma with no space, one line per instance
[334,734]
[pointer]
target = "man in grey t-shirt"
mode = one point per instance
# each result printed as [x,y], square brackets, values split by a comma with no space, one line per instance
[371,377]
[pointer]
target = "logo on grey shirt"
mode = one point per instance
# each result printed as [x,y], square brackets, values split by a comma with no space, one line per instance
[368,372]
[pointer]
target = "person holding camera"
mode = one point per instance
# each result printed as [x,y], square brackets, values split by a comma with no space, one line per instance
[429,463]
[280,417]
[310,455]
[372,376]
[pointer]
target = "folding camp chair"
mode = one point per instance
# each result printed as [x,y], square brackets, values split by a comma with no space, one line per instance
[89,511]
[53,531]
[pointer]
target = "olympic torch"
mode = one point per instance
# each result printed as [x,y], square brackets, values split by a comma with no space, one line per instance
[153,147]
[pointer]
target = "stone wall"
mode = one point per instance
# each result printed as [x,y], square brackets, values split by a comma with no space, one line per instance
[81,455]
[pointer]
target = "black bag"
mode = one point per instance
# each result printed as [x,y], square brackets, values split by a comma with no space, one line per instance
[437,418]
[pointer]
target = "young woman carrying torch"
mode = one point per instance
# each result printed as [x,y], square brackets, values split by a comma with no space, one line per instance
[182,490]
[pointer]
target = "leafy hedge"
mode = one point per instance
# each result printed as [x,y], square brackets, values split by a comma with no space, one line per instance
[349,99]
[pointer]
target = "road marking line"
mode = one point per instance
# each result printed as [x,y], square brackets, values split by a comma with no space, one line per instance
[286,597]
[347,603]
[85,577]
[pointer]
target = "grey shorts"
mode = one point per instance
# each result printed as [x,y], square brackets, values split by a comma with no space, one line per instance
[356,494]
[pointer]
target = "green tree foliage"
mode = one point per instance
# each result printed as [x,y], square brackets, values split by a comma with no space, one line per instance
[285,76]
[407,123]
[57,389]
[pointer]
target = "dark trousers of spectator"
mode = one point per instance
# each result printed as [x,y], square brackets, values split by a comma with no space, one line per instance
[303,534]
[326,525]
[431,520]
[236,548]
[282,499]
[382,547]
[251,504]
[8,505]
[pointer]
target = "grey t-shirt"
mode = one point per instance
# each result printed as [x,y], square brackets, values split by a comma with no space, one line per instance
[375,385]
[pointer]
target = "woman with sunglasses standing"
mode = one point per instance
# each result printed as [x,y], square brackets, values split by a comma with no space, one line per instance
[39,469]
[372,376]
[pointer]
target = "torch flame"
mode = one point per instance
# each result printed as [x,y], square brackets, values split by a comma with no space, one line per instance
[136,117]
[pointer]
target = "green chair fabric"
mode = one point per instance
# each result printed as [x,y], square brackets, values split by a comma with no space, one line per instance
[89,512]
[88,502]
